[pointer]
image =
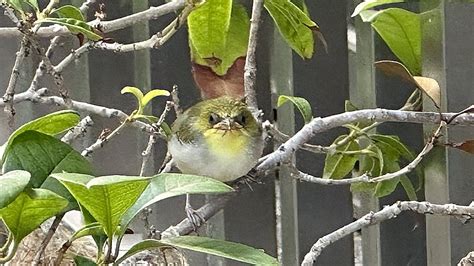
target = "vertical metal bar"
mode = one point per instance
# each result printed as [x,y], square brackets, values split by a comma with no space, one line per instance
[363,94]
[281,82]
[447,56]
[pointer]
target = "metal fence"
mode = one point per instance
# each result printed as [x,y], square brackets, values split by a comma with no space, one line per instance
[346,71]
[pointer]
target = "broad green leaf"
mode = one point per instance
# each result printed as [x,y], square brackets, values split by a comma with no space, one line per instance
[218,58]
[301,103]
[99,236]
[168,185]
[401,31]
[208,26]
[338,165]
[386,187]
[41,155]
[152,94]
[146,244]
[12,184]
[50,124]
[69,11]
[301,5]
[392,145]
[368,4]
[74,26]
[29,210]
[83,261]
[408,186]
[294,25]
[222,248]
[107,198]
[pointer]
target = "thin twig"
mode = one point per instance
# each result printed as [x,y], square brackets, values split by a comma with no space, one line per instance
[10,90]
[47,239]
[295,173]
[250,74]
[156,41]
[78,131]
[151,13]
[146,154]
[206,212]
[465,213]
[100,142]
[175,98]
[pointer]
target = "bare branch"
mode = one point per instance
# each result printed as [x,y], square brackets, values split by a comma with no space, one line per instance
[295,173]
[106,26]
[206,212]
[175,98]
[10,90]
[156,41]
[317,125]
[47,239]
[146,154]
[468,260]
[78,131]
[101,140]
[465,213]
[250,74]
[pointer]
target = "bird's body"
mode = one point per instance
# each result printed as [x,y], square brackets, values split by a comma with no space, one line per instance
[218,138]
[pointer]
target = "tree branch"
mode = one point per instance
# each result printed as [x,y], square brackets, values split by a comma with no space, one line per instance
[151,13]
[465,213]
[78,131]
[468,260]
[318,125]
[250,74]
[47,239]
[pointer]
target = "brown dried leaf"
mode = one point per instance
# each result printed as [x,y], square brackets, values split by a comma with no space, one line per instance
[427,85]
[467,146]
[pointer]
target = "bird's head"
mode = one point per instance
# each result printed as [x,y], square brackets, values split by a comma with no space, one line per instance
[225,114]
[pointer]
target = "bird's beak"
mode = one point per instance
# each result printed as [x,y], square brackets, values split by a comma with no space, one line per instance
[227,124]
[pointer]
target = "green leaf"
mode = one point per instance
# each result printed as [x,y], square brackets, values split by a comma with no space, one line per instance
[50,124]
[220,54]
[371,4]
[338,165]
[386,187]
[221,248]
[208,26]
[168,185]
[107,198]
[138,94]
[42,155]
[166,129]
[391,145]
[69,11]
[147,118]
[12,184]
[401,31]
[294,25]
[29,210]
[408,186]
[90,229]
[33,4]
[83,261]
[16,4]
[301,103]
[152,94]
[74,26]
[146,244]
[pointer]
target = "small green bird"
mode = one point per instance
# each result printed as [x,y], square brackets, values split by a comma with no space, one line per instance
[217,138]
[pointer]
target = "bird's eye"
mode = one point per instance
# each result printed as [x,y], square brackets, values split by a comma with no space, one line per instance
[241,119]
[213,119]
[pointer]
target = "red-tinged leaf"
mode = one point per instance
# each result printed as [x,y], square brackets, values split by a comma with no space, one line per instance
[212,85]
